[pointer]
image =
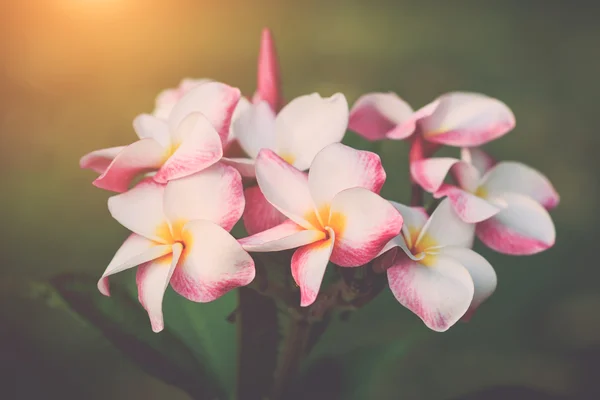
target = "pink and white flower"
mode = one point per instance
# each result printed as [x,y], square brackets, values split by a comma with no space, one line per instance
[507,200]
[431,269]
[460,119]
[190,141]
[181,236]
[335,213]
[303,127]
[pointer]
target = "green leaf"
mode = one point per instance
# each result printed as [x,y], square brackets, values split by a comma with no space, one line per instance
[124,323]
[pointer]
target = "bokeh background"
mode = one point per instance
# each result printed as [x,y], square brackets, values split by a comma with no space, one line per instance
[74,73]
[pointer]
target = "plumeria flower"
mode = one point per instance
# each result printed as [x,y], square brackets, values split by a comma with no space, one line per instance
[507,200]
[335,213]
[190,141]
[454,119]
[181,236]
[303,127]
[432,271]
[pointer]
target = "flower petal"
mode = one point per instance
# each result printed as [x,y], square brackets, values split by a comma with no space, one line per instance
[215,194]
[481,271]
[414,219]
[255,128]
[407,127]
[307,124]
[215,100]
[212,264]
[284,187]
[148,126]
[142,156]
[167,99]
[374,115]
[430,173]
[470,208]
[478,158]
[308,267]
[515,177]
[338,167]
[259,214]
[245,166]
[467,120]
[287,235]
[198,147]
[524,227]
[439,294]
[141,210]
[363,223]
[268,82]
[445,228]
[152,280]
[134,251]
[99,160]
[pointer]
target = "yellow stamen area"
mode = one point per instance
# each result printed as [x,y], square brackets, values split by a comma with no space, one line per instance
[176,234]
[481,192]
[288,157]
[164,232]
[425,246]
[337,222]
[326,219]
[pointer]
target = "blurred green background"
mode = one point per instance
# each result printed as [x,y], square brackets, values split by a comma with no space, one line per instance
[74,74]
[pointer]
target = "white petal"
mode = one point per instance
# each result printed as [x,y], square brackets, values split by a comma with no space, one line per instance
[338,167]
[148,126]
[134,251]
[99,160]
[287,235]
[481,160]
[213,263]
[285,188]
[152,281]
[414,218]
[445,228]
[308,124]
[514,177]
[255,129]
[481,271]
[141,210]
[524,227]
[468,207]
[374,115]
[215,194]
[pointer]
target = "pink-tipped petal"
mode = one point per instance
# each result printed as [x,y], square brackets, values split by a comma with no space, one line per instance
[307,124]
[524,227]
[439,294]
[338,167]
[414,219]
[215,194]
[141,210]
[430,173]
[363,223]
[470,208]
[167,99]
[374,115]
[259,214]
[134,251]
[515,177]
[308,267]
[99,160]
[406,128]
[198,147]
[478,158]
[481,271]
[149,126]
[467,120]
[212,264]
[145,155]
[284,187]
[255,128]
[445,228]
[215,100]
[287,235]
[152,280]
[245,166]
[269,82]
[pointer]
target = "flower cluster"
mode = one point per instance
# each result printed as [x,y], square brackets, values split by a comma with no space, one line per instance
[208,157]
